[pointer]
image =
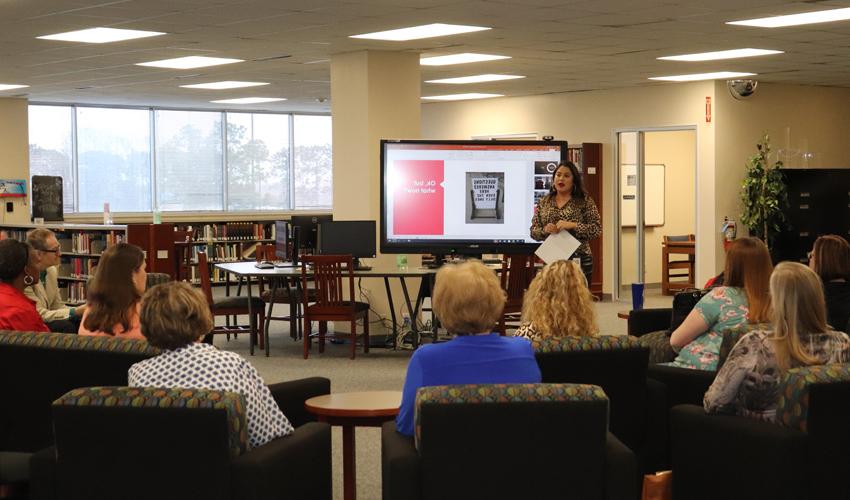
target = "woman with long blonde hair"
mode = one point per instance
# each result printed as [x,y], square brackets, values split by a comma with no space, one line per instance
[748,382]
[558,303]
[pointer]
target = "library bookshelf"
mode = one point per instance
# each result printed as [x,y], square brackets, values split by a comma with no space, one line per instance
[587,156]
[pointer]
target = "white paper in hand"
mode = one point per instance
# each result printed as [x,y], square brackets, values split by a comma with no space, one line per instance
[558,246]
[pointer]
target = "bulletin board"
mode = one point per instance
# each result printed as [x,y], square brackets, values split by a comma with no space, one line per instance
[654,195]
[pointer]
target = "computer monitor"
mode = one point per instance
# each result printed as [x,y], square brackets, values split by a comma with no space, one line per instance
[355,237]
[308,227]
[281,240]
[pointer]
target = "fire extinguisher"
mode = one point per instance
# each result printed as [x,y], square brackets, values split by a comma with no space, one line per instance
[729,229]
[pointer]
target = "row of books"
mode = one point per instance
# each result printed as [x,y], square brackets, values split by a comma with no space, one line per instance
[77,267]
[90,243]
[74,293]
[224,252]
[574,155]
[234,231]
[216,276]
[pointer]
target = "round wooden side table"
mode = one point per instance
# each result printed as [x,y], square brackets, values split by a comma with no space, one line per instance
[350,410]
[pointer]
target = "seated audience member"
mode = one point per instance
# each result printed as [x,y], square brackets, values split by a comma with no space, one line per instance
[558,303]
[749,380]
[468,300]
[744,296]
[114,293]
[17,312]
[830,259]
[174,318]
[45,291]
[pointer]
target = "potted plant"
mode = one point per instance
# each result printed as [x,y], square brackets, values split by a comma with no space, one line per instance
[764,195]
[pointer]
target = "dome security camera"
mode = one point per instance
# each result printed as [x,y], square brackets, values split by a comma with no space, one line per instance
[742,89]
[321,99]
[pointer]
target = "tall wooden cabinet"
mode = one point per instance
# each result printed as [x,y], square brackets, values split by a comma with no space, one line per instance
[588,158]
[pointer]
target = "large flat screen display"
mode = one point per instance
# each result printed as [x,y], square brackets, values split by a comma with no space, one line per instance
[466,197]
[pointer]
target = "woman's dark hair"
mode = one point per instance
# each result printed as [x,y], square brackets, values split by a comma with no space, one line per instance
[112,292]
[832,258]
[578,183]
[14,256]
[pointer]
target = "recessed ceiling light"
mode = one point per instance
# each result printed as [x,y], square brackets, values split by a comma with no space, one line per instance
[100,35]
[464,58]
[10,86]
[476,79]
[461,97]
[228,84]
[249,100]
[702,76]
[822,16]
[189,62]
[419,32]
[722,54]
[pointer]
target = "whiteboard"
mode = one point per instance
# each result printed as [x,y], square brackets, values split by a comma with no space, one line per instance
[654,195]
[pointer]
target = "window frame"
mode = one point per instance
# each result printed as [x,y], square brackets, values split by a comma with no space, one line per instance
[242,214]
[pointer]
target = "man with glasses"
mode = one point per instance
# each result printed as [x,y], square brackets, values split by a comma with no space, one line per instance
[45,292]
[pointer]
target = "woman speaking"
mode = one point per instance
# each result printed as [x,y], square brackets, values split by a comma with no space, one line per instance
[567,207]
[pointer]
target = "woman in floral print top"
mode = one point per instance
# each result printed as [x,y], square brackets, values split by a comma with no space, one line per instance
[748,382]
[567,207]
[744,298]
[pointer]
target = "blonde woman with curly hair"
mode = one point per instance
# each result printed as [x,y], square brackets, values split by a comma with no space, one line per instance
[558,303]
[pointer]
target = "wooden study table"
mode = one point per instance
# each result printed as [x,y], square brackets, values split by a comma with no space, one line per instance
[350,410]
[286,275]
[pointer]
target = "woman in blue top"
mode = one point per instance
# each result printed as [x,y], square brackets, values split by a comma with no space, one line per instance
[468,300]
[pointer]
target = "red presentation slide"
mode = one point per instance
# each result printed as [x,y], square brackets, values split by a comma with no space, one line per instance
[418,197]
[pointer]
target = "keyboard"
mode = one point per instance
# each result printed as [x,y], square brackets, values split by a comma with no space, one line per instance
[285,264]
[264,265]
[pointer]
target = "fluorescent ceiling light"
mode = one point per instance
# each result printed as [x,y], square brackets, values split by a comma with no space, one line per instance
[228,84]
[823,16]
[10,86]
[722,54]
[100,35]
[189,62]
[463,58]
[249,100]
[461,97]
[419,32]
[476,79]
[702,76]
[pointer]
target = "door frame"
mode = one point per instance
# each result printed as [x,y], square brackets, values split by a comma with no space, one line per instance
[639,228]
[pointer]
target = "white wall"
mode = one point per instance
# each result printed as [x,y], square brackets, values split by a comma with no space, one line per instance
[14,155]
[593,117]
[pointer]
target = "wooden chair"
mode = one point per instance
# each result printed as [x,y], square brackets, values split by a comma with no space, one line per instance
[517,273]
[232,306]
[331,305]
[677,245]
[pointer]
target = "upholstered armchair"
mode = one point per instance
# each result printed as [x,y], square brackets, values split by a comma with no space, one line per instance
[618,364]
[507,441]
[143,443]
[35,369]
[802,455]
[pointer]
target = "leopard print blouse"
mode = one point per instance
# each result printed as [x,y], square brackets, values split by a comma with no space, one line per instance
[581,211]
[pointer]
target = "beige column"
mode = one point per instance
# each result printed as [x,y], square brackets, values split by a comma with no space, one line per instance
[15,158]
[374,95]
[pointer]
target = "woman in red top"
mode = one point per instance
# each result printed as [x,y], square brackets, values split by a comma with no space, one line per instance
[17,312]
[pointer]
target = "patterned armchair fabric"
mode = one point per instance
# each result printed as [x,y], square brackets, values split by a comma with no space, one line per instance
[502,393]
[465,432]
[595,343]
[150,397]
[795,391]
[72,342]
